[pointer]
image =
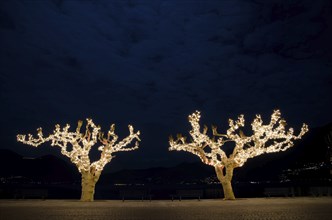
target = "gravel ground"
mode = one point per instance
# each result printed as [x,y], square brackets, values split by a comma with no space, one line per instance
[253,208]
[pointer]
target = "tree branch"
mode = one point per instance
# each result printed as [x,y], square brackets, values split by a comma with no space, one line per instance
[82,143]
[110,147]
[255,144]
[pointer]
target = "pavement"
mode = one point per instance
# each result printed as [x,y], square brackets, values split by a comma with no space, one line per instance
[315,208]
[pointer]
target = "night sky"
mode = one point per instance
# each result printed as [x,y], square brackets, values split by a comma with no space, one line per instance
[151,63]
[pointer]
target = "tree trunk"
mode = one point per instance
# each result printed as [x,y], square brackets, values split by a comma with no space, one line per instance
[225,180]
[88,186]
[228,190]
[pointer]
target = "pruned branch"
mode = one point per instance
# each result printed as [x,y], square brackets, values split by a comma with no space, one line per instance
[201,142]
[274,131]
[245,146]
[109,146]
[81,144]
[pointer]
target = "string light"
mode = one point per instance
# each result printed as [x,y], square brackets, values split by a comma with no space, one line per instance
[77,145]
[269,138]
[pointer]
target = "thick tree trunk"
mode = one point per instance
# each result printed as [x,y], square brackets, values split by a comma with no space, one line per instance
[225,180]
[88,186]
[228,190]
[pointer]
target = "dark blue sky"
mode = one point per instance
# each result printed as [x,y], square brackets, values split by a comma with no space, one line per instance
[151,63]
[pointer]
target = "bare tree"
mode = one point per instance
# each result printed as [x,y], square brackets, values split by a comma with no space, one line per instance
[77,145]
[268,138]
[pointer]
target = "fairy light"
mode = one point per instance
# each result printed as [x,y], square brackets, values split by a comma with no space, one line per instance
[76,146]
[269,138]
[245,146]
[81,144]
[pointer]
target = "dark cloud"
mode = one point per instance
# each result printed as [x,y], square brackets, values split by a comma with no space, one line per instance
[151,63]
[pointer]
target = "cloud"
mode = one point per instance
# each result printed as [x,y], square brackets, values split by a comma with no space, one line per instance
[155,62]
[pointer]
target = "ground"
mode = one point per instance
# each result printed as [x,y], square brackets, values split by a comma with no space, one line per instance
[253,208]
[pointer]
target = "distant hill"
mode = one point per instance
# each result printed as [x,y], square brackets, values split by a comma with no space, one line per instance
[9,163]
[311,149]
[47,168]
[182,173]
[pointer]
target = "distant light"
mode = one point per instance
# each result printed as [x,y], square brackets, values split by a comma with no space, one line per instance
[28,158]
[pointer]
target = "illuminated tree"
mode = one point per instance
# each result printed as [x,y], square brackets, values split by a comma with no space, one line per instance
[77,145]
[268,138]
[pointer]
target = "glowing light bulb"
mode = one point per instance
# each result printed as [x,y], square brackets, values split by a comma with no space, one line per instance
[77,145]
[269,138]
